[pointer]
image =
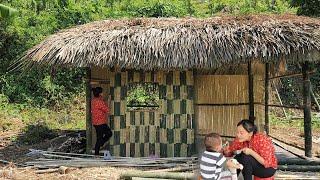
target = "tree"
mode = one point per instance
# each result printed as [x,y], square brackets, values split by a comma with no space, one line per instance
[307,7]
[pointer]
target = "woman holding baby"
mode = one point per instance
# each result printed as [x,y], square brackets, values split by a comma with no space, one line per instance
[255,152]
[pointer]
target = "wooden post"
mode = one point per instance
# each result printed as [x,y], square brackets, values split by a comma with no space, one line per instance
[251,97]
[266,98]
[88,112]
[307,110]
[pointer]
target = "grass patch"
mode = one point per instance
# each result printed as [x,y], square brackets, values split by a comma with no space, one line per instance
[295,123]
[37,124]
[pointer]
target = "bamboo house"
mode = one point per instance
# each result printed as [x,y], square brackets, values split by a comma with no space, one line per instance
[173,80]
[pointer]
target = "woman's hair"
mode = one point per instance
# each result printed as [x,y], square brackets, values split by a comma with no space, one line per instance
[96,91]
[248,125]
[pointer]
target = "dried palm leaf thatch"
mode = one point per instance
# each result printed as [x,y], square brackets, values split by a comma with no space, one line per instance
[170,43]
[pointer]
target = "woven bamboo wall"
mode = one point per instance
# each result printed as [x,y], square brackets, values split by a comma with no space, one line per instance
[166,132]
[216,93]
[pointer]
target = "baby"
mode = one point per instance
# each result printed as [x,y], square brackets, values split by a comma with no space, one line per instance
[213,165]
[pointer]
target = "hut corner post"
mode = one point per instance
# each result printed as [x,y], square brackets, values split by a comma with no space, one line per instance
[88,112]
[266,98]
[251,95]
[307,109]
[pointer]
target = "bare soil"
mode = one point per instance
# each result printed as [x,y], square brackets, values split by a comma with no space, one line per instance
[295,137]
[110,173]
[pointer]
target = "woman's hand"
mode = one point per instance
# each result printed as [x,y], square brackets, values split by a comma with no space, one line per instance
[247,151]
[252,153]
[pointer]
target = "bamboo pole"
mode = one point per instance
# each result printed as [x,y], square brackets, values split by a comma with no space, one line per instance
[266,98]
[175,169]
[291,75]
[298,162]
[59,156]
[165,175]
[251,95]
[307,110]
[224,104]
[61,170]
[66,154]
[285,106]
[299,168]
[7,162]
[88,113]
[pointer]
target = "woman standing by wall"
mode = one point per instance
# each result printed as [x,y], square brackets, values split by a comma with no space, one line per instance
[100,111]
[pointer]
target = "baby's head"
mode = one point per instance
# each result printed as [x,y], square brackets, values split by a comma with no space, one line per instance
[213,142]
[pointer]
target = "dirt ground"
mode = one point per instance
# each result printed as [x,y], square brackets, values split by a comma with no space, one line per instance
[294,137]
[14,152]
[109,173]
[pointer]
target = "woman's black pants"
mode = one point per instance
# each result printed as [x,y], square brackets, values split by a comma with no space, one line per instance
[104,133]
[252,167]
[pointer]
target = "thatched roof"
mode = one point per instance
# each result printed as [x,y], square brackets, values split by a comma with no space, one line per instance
[165,43]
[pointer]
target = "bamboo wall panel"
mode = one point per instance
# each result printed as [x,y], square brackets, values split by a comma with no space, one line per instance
[212,90]
[224,119]
[258,68]
[226,89]
[221,89]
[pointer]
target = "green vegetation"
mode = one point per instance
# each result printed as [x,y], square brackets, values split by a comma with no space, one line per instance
[296,123]
[6,12]
[71,117]
[307,7]
[142,96]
